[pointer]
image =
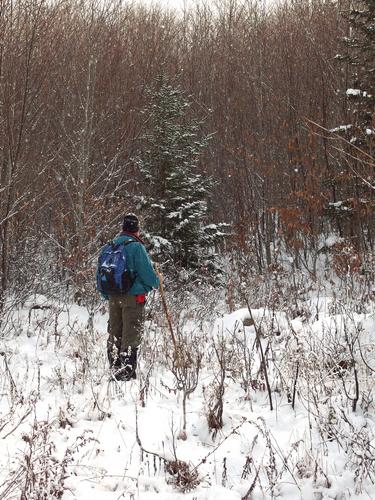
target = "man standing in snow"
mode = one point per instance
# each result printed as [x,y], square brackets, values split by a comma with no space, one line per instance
[127,311]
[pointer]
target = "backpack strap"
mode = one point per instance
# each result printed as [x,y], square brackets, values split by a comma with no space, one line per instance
[128,242]
[125,243]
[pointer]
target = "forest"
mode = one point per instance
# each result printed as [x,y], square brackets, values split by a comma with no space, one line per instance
[276,94]
[241,133]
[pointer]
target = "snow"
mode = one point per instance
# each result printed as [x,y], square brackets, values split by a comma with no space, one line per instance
[341,128]
[339,205]
[332,240]
[353,92]
[56,401]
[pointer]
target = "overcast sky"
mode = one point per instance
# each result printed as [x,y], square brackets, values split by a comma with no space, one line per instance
[180,4]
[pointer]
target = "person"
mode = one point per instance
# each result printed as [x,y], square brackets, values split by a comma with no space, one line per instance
[127,311]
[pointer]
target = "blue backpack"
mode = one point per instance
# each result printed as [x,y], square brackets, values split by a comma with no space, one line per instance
[113,275]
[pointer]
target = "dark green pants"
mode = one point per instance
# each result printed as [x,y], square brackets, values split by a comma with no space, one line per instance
[126,318]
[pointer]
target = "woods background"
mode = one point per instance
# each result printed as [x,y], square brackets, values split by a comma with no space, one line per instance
[270,85]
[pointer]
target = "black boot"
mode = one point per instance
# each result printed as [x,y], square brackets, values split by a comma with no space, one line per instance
[128,367]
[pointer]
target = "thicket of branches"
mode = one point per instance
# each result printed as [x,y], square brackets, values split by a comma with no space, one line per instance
[266,83]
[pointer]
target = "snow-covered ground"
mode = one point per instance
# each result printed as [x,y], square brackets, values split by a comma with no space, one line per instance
[67,432]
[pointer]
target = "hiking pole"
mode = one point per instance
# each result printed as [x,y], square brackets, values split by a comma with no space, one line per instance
[166,310]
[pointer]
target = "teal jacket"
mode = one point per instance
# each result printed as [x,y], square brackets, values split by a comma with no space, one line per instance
[139,263]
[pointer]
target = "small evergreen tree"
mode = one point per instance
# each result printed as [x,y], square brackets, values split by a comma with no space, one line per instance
[174,190]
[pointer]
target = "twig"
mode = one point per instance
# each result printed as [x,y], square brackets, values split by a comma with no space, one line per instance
[233,431]
[16,426]
[295,386]
[247,495]
[263,361]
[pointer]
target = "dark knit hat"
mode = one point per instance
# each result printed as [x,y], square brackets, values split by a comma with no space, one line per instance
[131,223]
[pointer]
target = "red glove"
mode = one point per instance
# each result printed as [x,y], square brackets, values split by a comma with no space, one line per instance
[140,299]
